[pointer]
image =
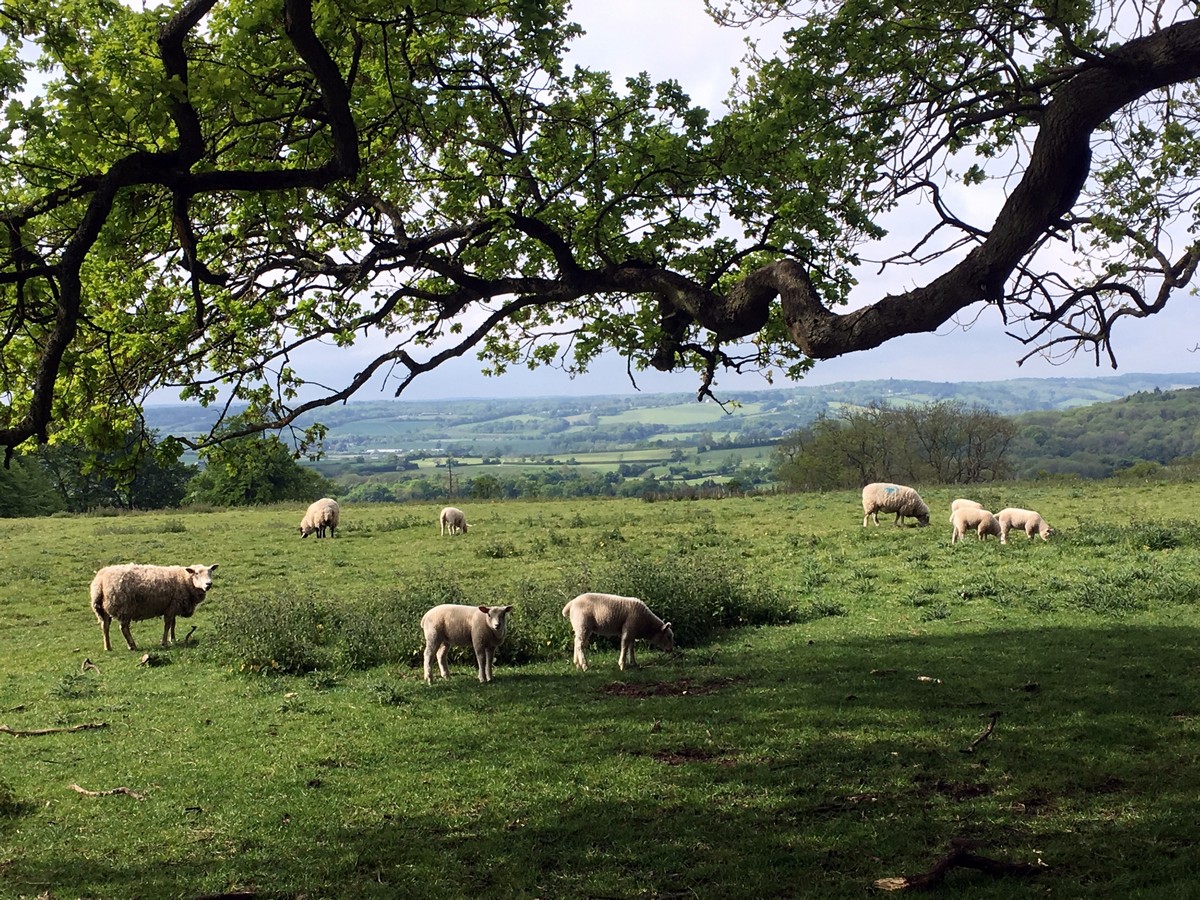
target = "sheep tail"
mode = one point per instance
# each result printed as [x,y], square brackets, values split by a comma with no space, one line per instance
[97,593]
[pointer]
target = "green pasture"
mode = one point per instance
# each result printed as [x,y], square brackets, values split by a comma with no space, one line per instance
[680,414]
[824,723]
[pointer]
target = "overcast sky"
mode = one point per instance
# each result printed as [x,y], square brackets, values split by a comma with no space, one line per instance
[675,39]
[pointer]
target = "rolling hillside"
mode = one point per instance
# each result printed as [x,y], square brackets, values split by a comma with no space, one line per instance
[566,425]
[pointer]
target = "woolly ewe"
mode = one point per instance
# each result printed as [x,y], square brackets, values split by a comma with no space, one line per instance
[453,520]
[614,616]
[1023,520]
[963,503]
[322,514]
[132,591]
[898,498]
[450,624]
[967,519]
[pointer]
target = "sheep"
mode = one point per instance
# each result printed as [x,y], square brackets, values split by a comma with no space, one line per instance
[1023,520]
[322,514]
[898,498]
[968,518]
[481,627]
[613,616]
[132,591]
[453,520]
[963,503]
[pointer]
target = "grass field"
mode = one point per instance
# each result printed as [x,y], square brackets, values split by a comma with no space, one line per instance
[821,727]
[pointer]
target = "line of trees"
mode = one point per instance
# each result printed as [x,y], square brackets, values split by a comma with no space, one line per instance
[139,471]
[946,442]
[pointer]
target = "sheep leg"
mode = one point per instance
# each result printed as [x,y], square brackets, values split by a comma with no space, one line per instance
[105,621]
[430,647]
[128,636]
[580,659]
[626,652]
[483,659]
[443,655]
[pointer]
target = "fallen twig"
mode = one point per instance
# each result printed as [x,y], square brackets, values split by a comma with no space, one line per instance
[32,731]
[110,792]
[985,734]
[88,664]
[960,855]
[191,631]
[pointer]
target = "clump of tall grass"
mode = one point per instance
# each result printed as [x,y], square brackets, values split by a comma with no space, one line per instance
[700,593]
[292,633]
[168,526]
[1157,535]
[11,805]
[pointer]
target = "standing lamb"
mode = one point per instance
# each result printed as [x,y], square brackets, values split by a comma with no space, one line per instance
[129,592]
[902,500]
[481,627]
[1023,520]
[613,616]
[453,520]
[322,514]
[963,503]
[966,519]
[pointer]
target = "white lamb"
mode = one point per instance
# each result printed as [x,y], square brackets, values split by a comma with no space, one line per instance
[614,616]
[898,498]
[322,514]
[967,519]
[450,624]
[131,591]
[1023,520]
[453,520]
[963,503]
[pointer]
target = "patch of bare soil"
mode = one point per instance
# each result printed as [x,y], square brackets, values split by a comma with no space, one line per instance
[666,688]
[684,755]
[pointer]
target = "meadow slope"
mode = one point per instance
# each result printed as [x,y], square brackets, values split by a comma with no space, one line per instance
[823,725]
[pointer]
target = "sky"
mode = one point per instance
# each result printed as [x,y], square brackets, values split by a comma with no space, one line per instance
[676,39]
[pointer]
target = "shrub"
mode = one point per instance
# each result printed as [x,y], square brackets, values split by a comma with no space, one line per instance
[289,634]
[698,593]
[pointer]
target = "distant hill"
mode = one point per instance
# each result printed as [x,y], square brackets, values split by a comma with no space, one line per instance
[555,425]
[1095,441]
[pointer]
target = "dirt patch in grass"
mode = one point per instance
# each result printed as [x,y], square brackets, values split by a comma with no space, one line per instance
[666,688]
[681,756]
[954,790]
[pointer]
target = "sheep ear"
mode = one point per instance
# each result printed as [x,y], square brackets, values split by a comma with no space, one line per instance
[191,570]
[508,609]
[666,626]
[213,567]
[484,609]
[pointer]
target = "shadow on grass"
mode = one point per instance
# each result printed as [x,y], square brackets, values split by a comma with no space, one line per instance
[793,769]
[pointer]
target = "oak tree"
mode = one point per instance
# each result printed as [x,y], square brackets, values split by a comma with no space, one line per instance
[194,194]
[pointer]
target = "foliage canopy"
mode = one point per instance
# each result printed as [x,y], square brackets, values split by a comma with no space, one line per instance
[194,194]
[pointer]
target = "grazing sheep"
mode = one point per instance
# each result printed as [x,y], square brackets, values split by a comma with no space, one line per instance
[481,627]
[453,520]
[613,616]
[1023,520]
[322,514]
[898,498]
[968,518]
[963,503]
[129,592]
